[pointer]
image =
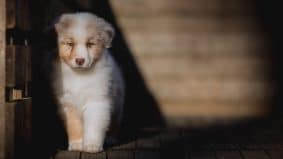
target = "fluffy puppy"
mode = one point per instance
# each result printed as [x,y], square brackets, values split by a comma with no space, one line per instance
[86,80]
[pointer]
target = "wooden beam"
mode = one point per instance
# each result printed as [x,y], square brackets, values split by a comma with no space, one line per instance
[2,77]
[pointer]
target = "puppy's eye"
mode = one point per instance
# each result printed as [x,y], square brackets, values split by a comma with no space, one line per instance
[90,44]
[70,44]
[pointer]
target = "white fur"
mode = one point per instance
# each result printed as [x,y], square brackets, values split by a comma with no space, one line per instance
[95,92]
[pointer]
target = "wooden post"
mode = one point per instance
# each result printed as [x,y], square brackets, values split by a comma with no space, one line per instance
[2,78]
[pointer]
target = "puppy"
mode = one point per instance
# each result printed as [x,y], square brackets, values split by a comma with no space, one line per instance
[86,80]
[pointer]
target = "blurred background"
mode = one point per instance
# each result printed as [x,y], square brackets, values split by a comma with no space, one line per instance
[205,61]
[205,67]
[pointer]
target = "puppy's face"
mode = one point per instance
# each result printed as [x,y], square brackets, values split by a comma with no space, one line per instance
[82,38]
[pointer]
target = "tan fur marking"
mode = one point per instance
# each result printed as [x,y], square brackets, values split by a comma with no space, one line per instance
[65,54]
[73,123]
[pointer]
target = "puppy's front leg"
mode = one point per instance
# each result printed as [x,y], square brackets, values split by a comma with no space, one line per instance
[96,121]
[74,127]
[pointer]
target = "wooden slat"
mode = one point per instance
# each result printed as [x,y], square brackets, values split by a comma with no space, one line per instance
[120,154]
[126,146]
[100,155]
[10,65]
[22,14]
[23,127]
[21,65]
[2,79]
[10,129]
[228,155]
[67,155]
[254,154]
[275,154]
[147,155]
[11,14]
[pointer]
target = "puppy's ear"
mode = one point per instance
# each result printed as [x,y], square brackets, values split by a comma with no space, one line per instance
[108,34]
[63,22]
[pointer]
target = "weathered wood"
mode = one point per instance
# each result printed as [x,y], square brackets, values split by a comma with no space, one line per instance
[100,155]
[3,134]
[10,65]
[22,127]
[126,146]
[21,65]
[147,155]
[67,155]
[11,13]
[10,130]
[22,14]
[120,154]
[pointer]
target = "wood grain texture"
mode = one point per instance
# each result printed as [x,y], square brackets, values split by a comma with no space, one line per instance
[120,154]
[100,155]
[67,155]
[11,14]
[2,80]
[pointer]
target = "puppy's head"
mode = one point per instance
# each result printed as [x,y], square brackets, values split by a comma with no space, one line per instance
[82,39]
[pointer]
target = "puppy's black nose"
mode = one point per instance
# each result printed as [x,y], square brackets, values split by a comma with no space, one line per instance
[80,61]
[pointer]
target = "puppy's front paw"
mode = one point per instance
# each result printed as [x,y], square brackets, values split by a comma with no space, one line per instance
[75,146]
[93,148]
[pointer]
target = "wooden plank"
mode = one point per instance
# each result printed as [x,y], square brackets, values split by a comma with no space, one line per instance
[11,13]
[275,154]
[254,154]
[120,154]
[22,14]
[67,155]
[2,80]
[228,155]
[10,65]
[100,155]
[21,66]
[126,146]
[23,128]
[10,129]
[147,154]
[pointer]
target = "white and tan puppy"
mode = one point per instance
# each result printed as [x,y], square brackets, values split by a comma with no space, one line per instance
[87,82]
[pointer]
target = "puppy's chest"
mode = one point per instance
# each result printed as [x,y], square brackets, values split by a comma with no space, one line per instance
[79,89]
